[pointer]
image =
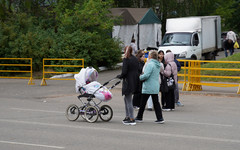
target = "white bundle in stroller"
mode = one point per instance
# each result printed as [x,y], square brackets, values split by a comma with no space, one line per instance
[86,82]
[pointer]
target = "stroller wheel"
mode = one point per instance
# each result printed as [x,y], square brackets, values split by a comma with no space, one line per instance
[82,110]
[72,112]
[105,113]
[91,114]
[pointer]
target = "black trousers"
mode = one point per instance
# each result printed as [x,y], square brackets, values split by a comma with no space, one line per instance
[163,99]
[156,105]
[137,99]
[170,99]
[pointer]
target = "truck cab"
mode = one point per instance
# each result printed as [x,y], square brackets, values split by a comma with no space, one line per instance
[185,45]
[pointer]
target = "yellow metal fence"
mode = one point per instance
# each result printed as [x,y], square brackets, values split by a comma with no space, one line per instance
[50,63]
[17,64]
[193,72]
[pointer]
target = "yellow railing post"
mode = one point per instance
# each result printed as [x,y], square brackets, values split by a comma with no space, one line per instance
[43,82]
[238,92]
[189,76]
[30,82]
[184,78]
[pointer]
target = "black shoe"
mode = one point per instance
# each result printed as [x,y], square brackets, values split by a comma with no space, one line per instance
[126,120]
[159,121]
[130,122]
[150,109]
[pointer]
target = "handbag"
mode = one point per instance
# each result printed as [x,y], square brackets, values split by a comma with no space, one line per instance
[171,82]
[236,45]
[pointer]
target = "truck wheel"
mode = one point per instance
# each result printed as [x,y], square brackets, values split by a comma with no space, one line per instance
[193,57]
[213,57]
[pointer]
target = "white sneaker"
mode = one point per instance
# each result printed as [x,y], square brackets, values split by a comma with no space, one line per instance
[166,109]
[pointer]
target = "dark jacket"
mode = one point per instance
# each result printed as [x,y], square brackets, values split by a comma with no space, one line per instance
[228,45]
[139,84]
[129,75]
[178,64]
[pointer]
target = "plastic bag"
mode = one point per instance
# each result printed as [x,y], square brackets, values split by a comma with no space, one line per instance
[236,45]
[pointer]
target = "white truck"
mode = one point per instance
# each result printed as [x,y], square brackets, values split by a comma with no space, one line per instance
[193,37]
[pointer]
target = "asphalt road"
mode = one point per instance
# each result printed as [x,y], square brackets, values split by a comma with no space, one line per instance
[32,117]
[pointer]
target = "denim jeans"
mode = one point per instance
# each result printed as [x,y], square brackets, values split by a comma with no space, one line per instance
[230,50]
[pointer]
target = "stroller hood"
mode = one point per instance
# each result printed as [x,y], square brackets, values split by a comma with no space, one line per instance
[85,76]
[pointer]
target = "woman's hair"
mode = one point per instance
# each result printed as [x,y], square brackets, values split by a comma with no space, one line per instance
[154,54]
[168,51]
[127,51]
[161,51]
[139,54]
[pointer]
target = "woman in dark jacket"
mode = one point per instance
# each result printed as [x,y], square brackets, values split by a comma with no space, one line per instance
[163,95]
[129,86]
[137,95]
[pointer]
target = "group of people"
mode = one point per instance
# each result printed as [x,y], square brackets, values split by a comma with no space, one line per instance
[141,80]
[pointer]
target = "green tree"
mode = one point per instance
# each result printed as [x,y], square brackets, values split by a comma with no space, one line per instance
[84,32]
[229,11]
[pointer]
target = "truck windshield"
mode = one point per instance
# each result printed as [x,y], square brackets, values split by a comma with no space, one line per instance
[178,39]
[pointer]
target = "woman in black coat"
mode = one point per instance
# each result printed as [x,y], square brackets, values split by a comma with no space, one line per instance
[130,81]
[137,95]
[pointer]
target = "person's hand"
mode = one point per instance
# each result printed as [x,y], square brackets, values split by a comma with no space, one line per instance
[119,76]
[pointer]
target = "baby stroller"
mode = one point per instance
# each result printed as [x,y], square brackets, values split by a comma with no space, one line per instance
[90,89]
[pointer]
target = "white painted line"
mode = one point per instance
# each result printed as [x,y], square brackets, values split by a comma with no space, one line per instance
[198,123]
[29,144]
[184,122]
[189,122]
[126,131]
[38,110]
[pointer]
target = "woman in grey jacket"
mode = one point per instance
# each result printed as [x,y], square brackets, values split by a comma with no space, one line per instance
[150,87]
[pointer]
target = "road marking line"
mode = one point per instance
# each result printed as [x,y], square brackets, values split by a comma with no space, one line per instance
[29,144]
[198,123]
[126,131]
[38,110]
[189,122]
[185,122]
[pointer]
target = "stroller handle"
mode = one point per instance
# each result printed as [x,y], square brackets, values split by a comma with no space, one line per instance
[105,83]
[110,81]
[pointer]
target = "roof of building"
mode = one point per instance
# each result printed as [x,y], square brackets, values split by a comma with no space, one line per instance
[132,16]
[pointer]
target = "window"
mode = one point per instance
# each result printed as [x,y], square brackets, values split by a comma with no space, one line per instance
[195,39]
[179,39]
